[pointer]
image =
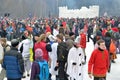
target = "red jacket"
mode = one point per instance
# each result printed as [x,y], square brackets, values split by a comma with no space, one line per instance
[98,64]
[42,45]
[48,29]
[83,40]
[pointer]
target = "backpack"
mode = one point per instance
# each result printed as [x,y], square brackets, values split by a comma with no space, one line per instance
[44,70]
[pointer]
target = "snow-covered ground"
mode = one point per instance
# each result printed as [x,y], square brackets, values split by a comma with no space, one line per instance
[115,69]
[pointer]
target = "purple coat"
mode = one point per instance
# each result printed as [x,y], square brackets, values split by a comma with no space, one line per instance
[35,70]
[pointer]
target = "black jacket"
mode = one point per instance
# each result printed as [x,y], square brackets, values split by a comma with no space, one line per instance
[62,52]
[107,42]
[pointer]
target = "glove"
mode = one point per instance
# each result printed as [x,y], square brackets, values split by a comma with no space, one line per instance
[56,68]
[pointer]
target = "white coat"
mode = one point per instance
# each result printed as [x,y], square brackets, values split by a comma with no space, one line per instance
[75,55]
[26,47]
[53,56]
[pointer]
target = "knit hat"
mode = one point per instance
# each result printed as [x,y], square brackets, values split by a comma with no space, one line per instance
[38,53]
[14,42]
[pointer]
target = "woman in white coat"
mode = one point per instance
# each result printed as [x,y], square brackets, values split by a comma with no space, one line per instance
[53,57]
[75,60]
[26,44]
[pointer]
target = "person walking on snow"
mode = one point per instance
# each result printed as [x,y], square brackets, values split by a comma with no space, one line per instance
[98,64]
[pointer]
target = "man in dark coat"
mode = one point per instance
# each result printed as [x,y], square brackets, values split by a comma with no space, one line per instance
[89,32]
[13,62]
[62,54]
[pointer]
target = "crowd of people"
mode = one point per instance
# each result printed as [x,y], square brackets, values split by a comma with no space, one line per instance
[60,44]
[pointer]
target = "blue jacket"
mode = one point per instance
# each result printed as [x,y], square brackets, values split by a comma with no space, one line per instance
[13,64]
[9,30]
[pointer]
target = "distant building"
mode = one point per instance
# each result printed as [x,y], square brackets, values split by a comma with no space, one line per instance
[84,12]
